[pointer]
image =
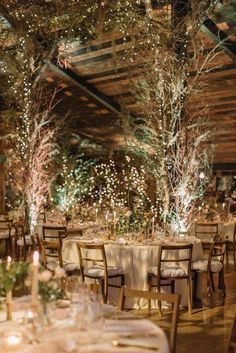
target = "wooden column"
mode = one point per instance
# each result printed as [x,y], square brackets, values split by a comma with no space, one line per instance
[2,180]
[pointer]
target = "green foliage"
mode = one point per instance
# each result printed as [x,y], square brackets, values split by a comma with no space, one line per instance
[13,278]
[132,221]
[50,291]
[74,182]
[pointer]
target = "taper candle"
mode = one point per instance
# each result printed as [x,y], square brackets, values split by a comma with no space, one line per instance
[153,225]
[9,294]
[35,271]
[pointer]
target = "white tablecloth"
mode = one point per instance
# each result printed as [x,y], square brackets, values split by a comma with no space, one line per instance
[135,261]
[64,338]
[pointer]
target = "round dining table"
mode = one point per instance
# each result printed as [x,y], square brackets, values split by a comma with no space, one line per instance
[134,259]
[65,336]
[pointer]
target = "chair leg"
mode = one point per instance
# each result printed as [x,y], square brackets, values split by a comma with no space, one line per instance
[212,282]
[195,285]
[149,288]
[122,280]
[24,253]
[209,289]
[234,257]
[6,248]
[17,253]
[104,291]
[159,302]
[189,282]
[221,284]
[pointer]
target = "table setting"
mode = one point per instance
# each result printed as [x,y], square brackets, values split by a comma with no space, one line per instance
[79,324]
[134,258]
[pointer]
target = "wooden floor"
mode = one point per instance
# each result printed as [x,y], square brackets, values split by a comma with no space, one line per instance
[207,329]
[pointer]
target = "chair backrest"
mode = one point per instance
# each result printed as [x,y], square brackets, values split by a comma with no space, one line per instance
[42,217]
[5,224]
[96,254]
[51,249]
[52,233]
[150,295]
[217,251]
[70,232]
[231,344]
[182,254]
[206,230]
[184,233]
[21,231]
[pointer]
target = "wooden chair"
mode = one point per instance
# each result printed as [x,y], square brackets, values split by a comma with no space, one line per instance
[23,241]
[99,269]
[231,344]
[206,232]
[42,217]
[184,233]
[71,232]
[5,235]
[231,245]
[52,257]
[214,264]
[149,295]
[174,268]
[52,233]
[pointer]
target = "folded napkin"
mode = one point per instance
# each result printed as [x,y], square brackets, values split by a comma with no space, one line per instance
[130,326]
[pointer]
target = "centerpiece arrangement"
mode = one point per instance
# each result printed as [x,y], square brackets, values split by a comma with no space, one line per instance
[17,278]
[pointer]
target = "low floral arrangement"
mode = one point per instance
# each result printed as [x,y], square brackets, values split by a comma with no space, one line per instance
[50,284]
[16,276]
[12,276]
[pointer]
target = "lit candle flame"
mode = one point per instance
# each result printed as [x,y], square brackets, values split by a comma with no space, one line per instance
[36,258]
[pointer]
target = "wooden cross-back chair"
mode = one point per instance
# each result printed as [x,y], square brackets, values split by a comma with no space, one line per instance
[41,217]
[70,232]
[231,245]
[51,251]
[231,343]
[159,297]
[214,264]
[207,232]
[23,241]
[174,268]
[52,233]
[5,235]
[99,269]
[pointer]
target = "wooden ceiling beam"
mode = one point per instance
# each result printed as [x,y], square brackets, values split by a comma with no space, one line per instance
[87,88]
[218,36]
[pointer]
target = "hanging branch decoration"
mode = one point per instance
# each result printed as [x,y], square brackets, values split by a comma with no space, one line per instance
[171,136]
[42,151]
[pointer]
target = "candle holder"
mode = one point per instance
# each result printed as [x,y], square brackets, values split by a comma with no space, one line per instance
[12,340]
[9,305]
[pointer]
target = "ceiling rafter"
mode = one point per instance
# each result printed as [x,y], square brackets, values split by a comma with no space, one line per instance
[218,36]
[87,88]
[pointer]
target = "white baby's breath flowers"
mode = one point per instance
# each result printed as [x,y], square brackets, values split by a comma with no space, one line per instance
[45,276]
[60,272]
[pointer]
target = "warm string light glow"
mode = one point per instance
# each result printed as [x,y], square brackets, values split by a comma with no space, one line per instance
[76,182]
[74,24]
